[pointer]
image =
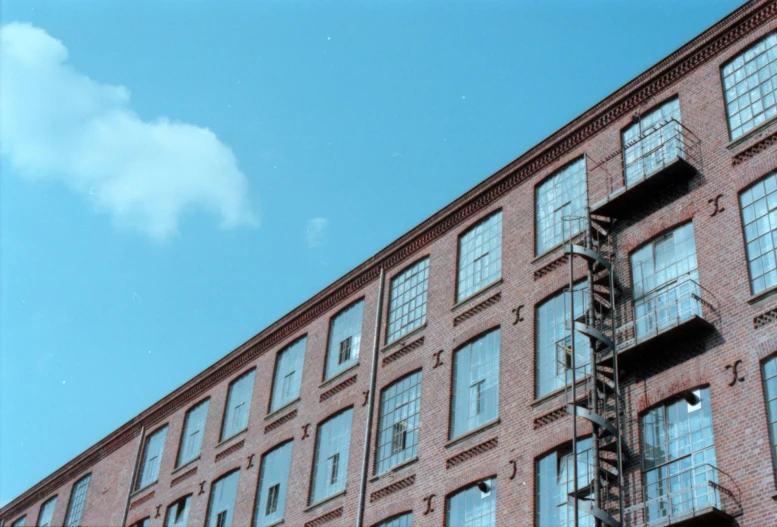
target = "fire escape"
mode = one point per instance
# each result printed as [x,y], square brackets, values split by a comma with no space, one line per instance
[606,326]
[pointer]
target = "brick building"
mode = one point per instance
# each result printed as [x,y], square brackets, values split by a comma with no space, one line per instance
[435,384]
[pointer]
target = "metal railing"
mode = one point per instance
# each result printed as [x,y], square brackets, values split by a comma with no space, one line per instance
[687,494]
[665,307]
[653,150]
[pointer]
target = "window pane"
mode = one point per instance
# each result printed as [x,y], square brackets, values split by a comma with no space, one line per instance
[480,256]
[345,332]
[474,506]
[749,86]
[47,512]
[19,522]
[221,506]
[770,379]
[561,195]
[666,282]
[193,430]
[407,304]
[75,508]
[653,142]
[476,384]
[288,374]
[152,457]
[553,341]
[759,218]
[400,406]
[678,458]
[178,513]
[238,405]
[555,483]
[405,520]
[273,485]
[333,440]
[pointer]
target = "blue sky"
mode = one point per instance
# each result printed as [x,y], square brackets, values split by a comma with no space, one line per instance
[176,175]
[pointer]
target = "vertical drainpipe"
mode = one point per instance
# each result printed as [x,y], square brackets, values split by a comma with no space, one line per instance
[370,405]
[132,475]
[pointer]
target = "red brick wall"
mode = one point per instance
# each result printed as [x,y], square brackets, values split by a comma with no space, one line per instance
[739,414]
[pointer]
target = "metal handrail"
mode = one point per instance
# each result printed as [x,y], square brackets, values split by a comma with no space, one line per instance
[709,488]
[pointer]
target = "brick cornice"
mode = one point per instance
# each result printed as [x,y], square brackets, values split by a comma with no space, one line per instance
[628,98]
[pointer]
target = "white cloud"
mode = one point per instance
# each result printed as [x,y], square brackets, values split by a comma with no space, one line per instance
[57,124]
[316,232]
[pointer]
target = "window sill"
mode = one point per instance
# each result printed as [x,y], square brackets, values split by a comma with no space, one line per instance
[401,341]
[185,465]
[339,376]
[395,469]
[325,500]
[538,259]
[489,287]
[555,393]
[230,438]
[274,413]
[279,522]
[143,489]
[736,143]
[774,496]
[482,428]
[762,295]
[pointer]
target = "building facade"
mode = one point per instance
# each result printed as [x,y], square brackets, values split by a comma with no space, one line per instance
[431,386]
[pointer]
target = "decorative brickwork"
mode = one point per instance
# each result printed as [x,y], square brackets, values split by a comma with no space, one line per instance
[765,318]
[476,450]
[226,452]
[185,475]
[326,518]
[140,501]
[281,420]
[477,309]
[401,352]
[561,261]
[391,489]
[549,417]
[334,390]
[755,149]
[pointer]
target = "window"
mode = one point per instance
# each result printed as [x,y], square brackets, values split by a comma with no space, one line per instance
[560,196]
[152,456]
[288,374]
[193,430]
[473,506]
[749,83]
[653,142]
[475,384]
[178,512]
[407,304]
[770,391]
[145,522]
[273,485]
[47,512]
[19,522]
[480,256]
[75,508]
[553,359]
[400,407]
[666,282]
[555,484]
[238,405]
[345,332]
[403,520]
[221,506]
[759,217]
[678,457]
[330,466]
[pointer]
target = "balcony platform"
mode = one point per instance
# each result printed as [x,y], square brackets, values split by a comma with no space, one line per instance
[623,201]
[707,517]
[662,338]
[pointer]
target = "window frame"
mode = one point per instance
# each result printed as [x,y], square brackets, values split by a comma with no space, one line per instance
[771,420]
[493,490]
[402,331]
[163,429]
[19,521]
[387,522]
[274,385]
[536,194]
[225,414]
[178,462]
[338,368]
[41,510]
[760,181]
[484,218]
[379,430]
[215,481]
[325,465]
[68,511]
[187,499]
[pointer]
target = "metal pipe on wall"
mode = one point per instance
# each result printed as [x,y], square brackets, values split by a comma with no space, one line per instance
[370,404]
